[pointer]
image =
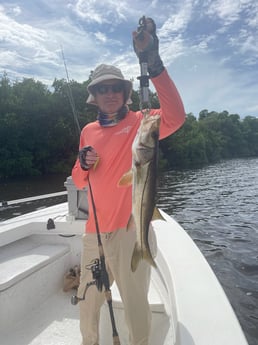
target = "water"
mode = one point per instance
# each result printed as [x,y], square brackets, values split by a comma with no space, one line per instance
[24,188]
[216,205]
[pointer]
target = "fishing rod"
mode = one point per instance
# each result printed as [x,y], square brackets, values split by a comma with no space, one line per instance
[70,95]
[100,276]
[98,266]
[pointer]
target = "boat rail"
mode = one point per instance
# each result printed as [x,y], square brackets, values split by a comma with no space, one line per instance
[5,203]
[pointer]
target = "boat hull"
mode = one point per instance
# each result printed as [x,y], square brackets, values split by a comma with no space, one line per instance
[189,306]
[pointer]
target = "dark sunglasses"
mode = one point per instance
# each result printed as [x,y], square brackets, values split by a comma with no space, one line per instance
[102,89]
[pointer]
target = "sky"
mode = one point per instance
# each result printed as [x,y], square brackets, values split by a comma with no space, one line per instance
[209,47]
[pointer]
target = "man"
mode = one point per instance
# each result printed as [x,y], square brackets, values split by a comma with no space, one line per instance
[108,142]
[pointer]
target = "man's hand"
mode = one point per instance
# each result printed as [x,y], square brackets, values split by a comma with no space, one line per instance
[146,46]
[88,157]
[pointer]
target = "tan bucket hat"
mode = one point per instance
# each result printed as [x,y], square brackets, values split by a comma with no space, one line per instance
[106,72]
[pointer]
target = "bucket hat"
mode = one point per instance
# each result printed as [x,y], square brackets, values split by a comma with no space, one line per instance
[106,72]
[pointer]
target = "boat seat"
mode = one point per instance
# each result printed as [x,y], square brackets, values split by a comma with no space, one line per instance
[23,257]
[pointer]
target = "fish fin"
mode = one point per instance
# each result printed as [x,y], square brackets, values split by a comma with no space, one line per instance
[131,223]
[157,215]
[138,255]
[96,164]
[148,257]
[126,179]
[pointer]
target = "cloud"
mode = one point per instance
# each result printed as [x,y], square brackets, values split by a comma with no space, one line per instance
[22,45]
[208,47]
[100,12]
[101,37]
[13,32]
[17,10]
[227,10]
[37,50]
[206,83]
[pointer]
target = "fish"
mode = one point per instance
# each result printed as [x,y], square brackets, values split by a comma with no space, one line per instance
[143,177]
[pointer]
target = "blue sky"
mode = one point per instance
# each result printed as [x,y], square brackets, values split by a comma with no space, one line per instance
[208,46]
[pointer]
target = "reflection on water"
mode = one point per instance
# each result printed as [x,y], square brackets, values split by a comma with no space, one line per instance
[24,188]
[218,207]
[27,187]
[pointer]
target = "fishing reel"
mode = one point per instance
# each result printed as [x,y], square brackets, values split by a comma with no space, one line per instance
[96,271]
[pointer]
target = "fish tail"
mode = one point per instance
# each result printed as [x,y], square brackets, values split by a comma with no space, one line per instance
[139,254]
[148,257]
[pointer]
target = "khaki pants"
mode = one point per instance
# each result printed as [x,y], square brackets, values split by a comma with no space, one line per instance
[133,287]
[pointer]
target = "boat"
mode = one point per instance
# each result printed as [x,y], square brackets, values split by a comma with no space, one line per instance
[37,249]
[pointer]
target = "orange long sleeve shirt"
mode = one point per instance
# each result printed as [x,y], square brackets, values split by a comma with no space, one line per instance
[114,147]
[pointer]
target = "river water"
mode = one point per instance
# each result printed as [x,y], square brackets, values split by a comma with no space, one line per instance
[217,206]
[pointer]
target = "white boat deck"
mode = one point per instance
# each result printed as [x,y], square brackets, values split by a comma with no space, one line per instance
[54,322]
[188,303]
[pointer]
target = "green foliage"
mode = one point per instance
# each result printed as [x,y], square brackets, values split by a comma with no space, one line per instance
[211,138]
[39,133]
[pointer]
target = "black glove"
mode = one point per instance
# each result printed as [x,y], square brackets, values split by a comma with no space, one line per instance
[82,157]
[146,46]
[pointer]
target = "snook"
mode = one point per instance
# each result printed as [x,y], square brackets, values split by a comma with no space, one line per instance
[143,177]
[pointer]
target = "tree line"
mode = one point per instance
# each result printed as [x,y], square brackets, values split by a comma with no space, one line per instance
[39,132]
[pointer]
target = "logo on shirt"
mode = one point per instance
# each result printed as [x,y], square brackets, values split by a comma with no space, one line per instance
[124,130]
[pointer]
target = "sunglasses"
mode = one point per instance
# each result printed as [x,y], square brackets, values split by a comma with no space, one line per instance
[102,89]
